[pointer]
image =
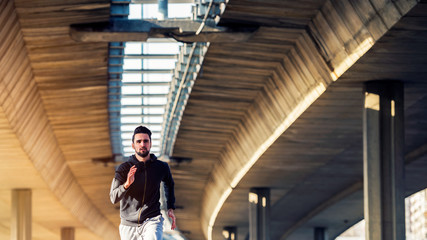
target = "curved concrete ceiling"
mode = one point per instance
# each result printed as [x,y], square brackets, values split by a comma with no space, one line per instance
[54,118]
[244,125]
[280,110]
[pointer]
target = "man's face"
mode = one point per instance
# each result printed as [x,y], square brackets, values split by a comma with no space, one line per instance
[142,144]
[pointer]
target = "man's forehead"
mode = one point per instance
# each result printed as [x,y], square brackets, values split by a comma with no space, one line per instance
[141,136]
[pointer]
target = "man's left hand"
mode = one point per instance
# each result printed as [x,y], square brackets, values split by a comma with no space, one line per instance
[172,216]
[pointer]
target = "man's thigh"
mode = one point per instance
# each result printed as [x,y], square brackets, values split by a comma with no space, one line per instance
[130,233]
[153,228]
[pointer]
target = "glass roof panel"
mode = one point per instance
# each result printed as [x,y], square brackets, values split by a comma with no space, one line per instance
[131,119]
[131,101]
[126,135]
[159,63]
[125,111]
[154,111]
[161,47]
[153,119]
[179,10]
[155,149]
[131,77]
[132,63]
[157,77]
[155,100]
[131,90]
[156,89]
[149,11]
[156,135]
[135,11]
[133,48]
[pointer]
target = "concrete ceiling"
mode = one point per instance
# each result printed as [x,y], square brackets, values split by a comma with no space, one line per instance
[54,119]
[282,110]
[301,74]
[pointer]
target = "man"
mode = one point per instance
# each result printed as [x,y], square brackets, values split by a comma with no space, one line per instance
[137,186]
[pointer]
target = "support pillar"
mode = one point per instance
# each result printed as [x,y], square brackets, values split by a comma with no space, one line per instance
[320,233]
[259,214]
[67,233]
[20,228]
[383,161]
[229,233]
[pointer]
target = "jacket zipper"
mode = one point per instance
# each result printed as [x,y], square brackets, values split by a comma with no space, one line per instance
[143,196]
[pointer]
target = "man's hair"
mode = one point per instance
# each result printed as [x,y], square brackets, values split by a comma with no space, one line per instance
[141,129]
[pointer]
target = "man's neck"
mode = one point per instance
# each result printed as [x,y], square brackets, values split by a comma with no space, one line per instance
[143,159]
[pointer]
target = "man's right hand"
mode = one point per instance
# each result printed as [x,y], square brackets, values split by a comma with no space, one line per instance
[131,177]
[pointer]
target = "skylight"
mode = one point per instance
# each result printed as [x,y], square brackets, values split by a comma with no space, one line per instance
[147,73]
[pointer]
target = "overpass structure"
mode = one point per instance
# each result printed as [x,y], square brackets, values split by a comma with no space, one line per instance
[319,108]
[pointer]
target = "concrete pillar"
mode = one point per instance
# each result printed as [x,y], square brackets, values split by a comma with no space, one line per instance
[229,233]
[259,214]
[20,228]
[163,9]
[320,233]
[383,161]
[67,233]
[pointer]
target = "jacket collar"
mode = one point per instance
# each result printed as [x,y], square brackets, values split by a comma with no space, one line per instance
[134,160]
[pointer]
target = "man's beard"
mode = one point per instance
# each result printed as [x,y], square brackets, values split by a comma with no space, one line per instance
[144,154]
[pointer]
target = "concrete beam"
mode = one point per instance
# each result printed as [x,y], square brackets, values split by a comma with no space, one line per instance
[123,30]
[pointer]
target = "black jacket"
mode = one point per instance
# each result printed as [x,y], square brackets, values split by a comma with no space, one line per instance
[141,200]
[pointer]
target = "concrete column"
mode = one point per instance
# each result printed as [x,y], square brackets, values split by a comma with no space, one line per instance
[383,161]
[67,233]
[259,214]
[229,233]
[320,233]
[20,228]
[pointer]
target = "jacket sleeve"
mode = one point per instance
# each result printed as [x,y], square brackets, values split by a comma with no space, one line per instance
[117,190]
[169,188]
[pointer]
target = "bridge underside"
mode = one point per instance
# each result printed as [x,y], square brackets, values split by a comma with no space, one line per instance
[282,110]
[300,74]
[54,115]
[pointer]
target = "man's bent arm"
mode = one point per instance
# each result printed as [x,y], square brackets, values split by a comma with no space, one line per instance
[169,190]
[117,191]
